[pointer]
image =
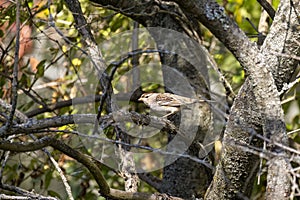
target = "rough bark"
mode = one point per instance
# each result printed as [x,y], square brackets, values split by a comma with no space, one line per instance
[234,174]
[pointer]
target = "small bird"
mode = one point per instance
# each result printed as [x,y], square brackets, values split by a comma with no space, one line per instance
[166,102]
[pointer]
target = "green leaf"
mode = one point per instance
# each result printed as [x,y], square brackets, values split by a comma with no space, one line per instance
[1,33]
[53,194]
[48,178]
[40,69]
[24,81]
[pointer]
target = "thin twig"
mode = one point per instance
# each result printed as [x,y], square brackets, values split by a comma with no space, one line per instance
[285,55]
[294,131]
[61,174]
[5,156]
[14,96]
[263,26]
[286,87]
[270,10]
[230,95]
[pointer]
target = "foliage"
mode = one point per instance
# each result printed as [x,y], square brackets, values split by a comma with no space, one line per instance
[55,68]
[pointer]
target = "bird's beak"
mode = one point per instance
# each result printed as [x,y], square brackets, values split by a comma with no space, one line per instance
[140,99]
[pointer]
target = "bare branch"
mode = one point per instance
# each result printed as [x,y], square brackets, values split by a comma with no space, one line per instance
[6,108]
[266,5]
[62,104]
[61,174]
[278,186]
[14,97]
[263,26]
[24,193]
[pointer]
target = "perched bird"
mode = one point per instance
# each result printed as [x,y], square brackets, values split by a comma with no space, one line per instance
[166,102]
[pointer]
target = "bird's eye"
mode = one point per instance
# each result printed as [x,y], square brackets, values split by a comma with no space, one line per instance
[146,95]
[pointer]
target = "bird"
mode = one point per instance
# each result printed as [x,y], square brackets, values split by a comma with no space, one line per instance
[166,102]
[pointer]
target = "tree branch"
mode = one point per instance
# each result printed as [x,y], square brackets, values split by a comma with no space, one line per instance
[267,7]
[282,39]
[7,108]
[23,192]
[62,104]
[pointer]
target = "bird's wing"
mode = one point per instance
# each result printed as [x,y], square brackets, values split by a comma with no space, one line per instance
[167,100]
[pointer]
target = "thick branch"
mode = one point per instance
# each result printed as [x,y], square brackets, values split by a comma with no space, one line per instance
[278,186]
[6,108]
[62,104]
[81,24]
[282,38]
[83,28]
[25,147]
[33,125]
